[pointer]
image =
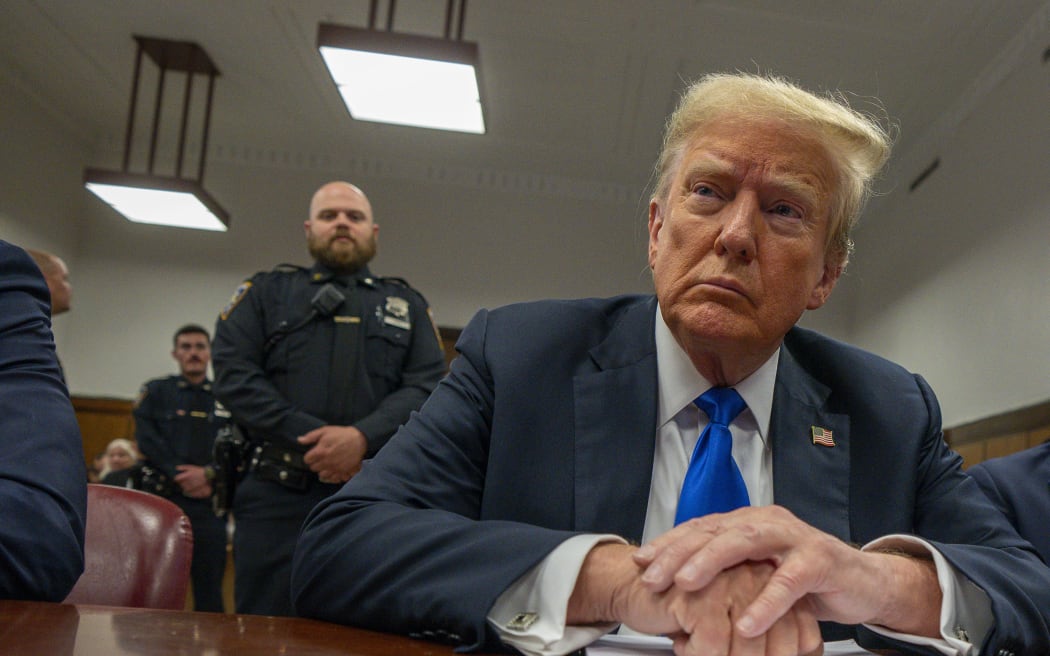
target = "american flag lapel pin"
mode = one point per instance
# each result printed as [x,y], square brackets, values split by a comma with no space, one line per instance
[822,436]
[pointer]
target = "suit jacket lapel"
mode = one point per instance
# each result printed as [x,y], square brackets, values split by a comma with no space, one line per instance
[809,479]
[616,426]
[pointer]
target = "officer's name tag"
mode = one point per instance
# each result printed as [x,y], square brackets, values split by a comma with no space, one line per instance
[397,323]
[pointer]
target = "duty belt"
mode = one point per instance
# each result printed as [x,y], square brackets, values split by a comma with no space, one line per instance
[282,466]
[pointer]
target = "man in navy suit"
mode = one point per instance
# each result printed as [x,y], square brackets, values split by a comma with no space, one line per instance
[508,511]
[43,497]
[1019,485]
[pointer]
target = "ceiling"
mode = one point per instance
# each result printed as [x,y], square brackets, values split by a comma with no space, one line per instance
[576,91]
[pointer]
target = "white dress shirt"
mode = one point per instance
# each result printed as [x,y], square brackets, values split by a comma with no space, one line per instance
[542,594]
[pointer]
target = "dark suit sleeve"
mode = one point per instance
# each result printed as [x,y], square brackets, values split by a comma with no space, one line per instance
[43,493]
[1019,486]
[427,566]
[990,487]
[960,522]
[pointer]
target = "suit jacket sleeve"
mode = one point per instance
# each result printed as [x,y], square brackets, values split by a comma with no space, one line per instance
[1019,486]
[979,542]
[43,495]
[428,566]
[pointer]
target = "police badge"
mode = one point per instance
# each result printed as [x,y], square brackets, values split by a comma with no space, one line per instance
[396,313]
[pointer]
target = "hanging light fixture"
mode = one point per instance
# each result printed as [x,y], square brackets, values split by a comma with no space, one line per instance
[157,199]
[405,79]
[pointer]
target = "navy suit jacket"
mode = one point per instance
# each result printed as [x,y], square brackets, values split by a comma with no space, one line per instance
[545,428]
[1019,485]
[43,482]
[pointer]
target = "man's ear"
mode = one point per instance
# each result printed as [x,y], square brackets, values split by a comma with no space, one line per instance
[822,290]
[656,222]
[306,228]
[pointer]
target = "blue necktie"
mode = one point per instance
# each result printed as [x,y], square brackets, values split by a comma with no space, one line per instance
[713,482]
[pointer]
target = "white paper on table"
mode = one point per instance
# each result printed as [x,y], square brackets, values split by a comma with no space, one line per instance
[639,645]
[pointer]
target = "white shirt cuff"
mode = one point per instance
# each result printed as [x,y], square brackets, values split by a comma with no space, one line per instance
[530,614]
[966,611]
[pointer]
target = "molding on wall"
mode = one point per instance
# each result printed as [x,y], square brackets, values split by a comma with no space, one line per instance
[1014,421]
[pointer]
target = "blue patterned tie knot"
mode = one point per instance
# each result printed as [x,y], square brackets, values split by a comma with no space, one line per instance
[713,482]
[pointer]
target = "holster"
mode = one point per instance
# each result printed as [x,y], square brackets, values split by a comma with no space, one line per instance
[230,454]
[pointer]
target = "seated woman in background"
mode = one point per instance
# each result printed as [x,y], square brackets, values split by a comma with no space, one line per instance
[121,456]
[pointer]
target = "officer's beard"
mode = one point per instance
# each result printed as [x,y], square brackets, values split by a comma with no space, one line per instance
[346,258]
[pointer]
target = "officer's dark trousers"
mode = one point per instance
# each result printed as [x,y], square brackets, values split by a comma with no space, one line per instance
[209,553]
[267,520]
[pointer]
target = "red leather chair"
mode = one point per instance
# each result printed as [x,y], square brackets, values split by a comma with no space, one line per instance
[137,551]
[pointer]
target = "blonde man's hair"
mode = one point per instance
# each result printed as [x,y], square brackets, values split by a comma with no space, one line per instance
[857,144]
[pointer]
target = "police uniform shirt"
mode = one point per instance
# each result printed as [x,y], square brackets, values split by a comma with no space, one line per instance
[284,367]
[176,422]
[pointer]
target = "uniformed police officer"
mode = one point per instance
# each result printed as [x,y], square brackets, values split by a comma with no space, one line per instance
[176,419]
[318,367]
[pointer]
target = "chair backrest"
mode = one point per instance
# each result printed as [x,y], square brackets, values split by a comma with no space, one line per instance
[137,551]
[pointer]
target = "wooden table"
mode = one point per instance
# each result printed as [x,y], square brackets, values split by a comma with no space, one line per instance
[29,628]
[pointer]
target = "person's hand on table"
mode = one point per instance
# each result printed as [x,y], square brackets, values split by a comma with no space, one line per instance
[836,581]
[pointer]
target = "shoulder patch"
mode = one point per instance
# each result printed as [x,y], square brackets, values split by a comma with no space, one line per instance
[238,295]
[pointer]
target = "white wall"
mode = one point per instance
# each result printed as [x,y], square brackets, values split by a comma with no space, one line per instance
[955,277]
[40,164]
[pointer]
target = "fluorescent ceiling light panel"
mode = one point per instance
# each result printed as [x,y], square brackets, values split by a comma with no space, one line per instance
[404,79]
[166,201]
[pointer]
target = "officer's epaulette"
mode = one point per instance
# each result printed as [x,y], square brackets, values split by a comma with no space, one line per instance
[288,268]
[397,281]
[401,282]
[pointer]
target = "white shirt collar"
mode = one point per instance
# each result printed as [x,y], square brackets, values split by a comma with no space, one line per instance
[679,382]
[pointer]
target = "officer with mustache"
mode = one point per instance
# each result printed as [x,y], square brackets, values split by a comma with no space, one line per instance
[318,367]
[176,421]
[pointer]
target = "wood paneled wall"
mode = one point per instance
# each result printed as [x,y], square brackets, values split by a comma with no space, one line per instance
[102,420]
[1001,435]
